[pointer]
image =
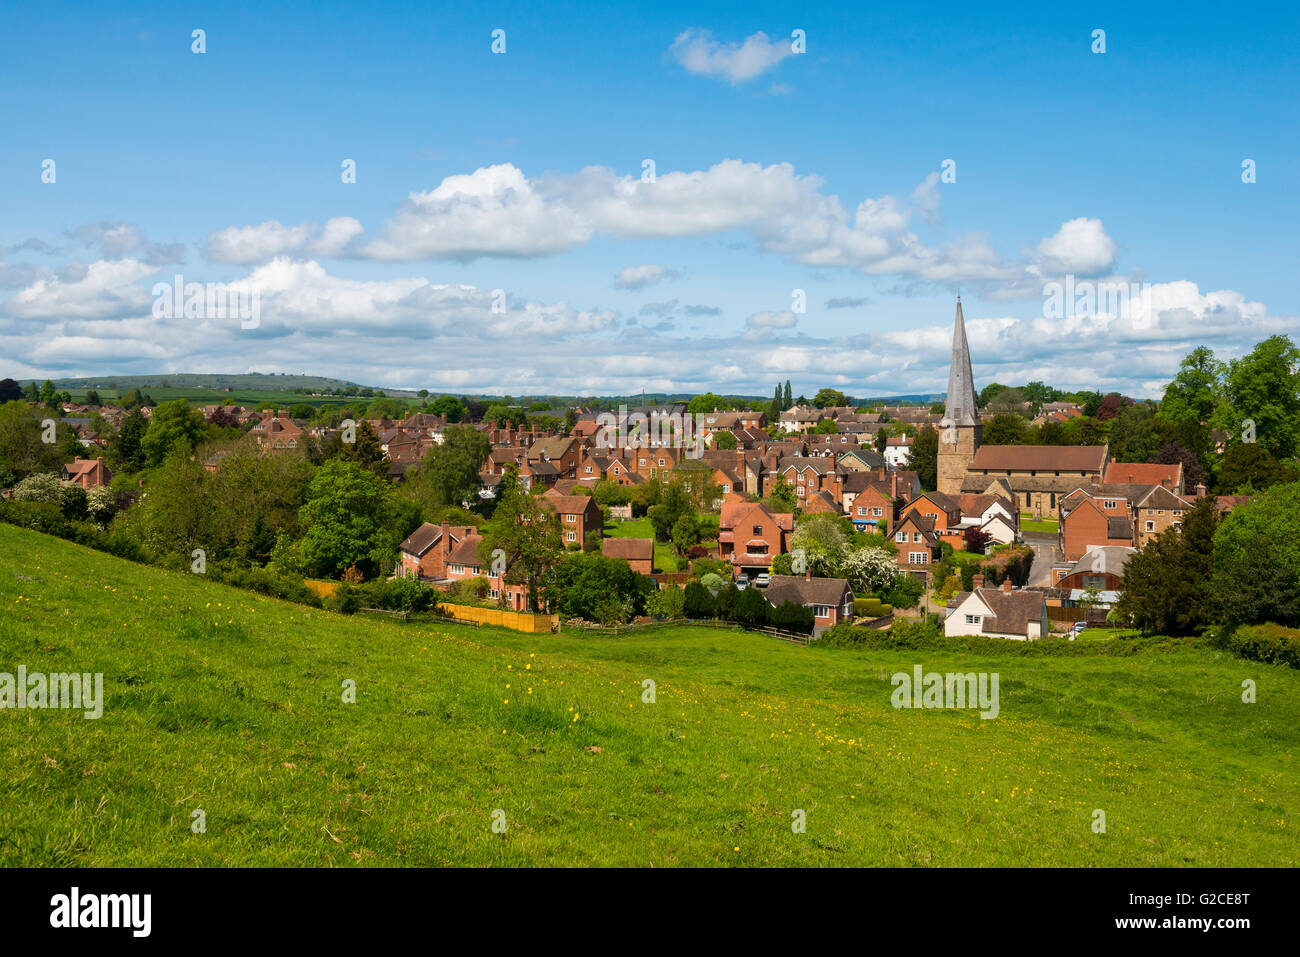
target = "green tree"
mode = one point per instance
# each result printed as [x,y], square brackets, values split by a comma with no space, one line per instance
[824,543]
[173,425]
[1006,428]
[1263,393]
[453,467]
[674,503]
[708,402]
[1257,559]
[781,497]
[923,458]
[349,517]
[829,397]
[448,406]
[1133,436]
[527,531]
[125,451]
[22,451]
[725,440]
[1247,467]
[788,400]
[1167,583]
[685,532]
[1197,389]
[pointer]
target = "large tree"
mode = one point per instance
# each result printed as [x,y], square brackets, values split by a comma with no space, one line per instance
[923,458]
[1263,397]
[1167,583]
[350,516]
[526,529]
[174,425]
[1257,559]
[453,467]
[1006,428]
[1197,389]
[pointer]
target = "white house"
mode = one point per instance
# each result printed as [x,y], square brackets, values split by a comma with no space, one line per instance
[897,449]
[1017,615]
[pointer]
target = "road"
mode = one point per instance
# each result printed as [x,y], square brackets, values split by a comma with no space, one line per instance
[1046,554]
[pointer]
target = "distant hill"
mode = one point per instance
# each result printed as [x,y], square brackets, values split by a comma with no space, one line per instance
[252,381]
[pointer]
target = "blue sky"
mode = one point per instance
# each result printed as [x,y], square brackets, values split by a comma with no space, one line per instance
[522,171]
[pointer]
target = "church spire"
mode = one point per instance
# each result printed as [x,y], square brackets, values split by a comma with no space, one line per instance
[960,405]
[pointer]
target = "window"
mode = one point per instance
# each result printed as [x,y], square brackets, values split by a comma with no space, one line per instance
[877,512]
[822,611]
[758,530]
[661,463]
[799,491]
[901,537]
[862,510]
[643,463]
[1160,511]
[1151,526]
[1108,503]
[973,619]
[570,536]
[916,536]
[570,519]
[616,471]
[918,558]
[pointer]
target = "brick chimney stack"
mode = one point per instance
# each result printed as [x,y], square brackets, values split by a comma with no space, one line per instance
[1006,585]
[446,537]
[976,581]
[807,573]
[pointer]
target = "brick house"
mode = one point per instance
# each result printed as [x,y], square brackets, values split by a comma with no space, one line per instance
[1089,521]
[88,473]
[276,433]
[918,545]
[810,475]
[424,553]
[579,516]
[831,599]
[750,536]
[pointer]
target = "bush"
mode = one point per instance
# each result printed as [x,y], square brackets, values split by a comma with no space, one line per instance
[871,608]
[791,616]
[1271,644]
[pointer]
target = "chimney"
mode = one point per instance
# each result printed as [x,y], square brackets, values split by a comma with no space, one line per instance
[807,574]
[1200,489]
[976,581]
[446,537]
[1006,585]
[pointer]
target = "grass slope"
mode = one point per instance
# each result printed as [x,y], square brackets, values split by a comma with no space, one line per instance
[227,701]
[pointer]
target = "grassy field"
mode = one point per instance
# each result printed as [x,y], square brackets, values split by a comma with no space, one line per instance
[225,701]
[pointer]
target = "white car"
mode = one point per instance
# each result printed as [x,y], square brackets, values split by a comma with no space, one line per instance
[763,580]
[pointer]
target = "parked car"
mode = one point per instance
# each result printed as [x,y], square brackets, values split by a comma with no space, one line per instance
[1077,628]
[763,580]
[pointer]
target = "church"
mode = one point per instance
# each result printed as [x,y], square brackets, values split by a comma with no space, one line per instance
[1035,477]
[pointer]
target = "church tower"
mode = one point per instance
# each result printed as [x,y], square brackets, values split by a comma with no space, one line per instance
[961,430]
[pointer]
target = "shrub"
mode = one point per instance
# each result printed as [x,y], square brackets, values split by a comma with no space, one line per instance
[1269,643]
[791,616]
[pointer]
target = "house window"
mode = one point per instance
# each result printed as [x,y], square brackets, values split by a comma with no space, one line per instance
[570,519]
[661,463]
[901,537]
[822,611]
[587,469]
[1108,503]
[726,488]
[799,491]
[1151,526]
[758,530]
[862,510]
[918,558]
[570,536]
[916,536]
[973,619]
[877,512]
[616,471]
[643,462]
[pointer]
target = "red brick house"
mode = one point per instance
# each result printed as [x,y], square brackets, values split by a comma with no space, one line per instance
[88,473]
[750,536]
[918,546]
[1093,522]
[579,516]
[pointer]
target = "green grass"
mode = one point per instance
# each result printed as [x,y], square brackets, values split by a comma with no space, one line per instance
[1030,524]
[231,702]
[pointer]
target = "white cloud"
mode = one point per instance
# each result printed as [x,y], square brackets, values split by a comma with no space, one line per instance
[734,62]
[642,277]
[245,245]
[1080,246]
[494,211]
